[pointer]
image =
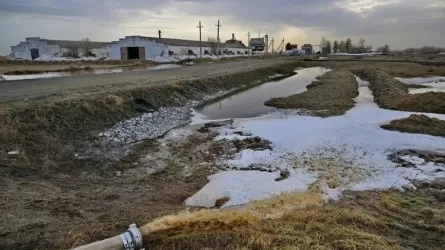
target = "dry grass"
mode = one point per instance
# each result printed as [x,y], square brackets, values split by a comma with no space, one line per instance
[395,69]
[33,67]
[368,220]
[51,123]
[420,124]
[331,95]
[390,93]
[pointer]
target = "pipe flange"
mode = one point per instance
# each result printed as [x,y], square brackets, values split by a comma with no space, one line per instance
[132,238]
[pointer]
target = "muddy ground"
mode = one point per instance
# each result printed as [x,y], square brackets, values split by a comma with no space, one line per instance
[66,203]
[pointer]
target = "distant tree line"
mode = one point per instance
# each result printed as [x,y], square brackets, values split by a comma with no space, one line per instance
[425,50]
[347,46]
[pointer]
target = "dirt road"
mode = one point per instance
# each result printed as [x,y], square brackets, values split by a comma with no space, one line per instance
[37,88]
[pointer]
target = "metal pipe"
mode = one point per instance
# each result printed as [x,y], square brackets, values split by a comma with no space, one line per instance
[130,240]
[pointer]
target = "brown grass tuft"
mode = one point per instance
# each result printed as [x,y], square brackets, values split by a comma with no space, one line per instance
[420,124]
[331,95]
[365,220]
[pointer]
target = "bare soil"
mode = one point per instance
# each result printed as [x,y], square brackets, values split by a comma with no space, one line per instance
[331,95]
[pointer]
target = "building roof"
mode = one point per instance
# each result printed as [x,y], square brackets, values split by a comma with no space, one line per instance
[187,43]
[257,40]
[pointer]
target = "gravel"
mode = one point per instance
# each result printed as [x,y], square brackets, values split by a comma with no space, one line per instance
[147,126]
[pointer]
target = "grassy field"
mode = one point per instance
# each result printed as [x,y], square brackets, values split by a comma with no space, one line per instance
[331,95]
[420,124]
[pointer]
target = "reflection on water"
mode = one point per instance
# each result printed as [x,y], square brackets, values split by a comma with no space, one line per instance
[85,72]
[250,103]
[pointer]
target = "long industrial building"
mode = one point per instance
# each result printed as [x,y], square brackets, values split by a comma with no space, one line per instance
[130,47]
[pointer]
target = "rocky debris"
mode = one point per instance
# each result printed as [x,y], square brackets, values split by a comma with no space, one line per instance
[147,126]
[255,143]
[241,133]
[218,124]
[220,202]
[427,156]
[284,174]
[204,130]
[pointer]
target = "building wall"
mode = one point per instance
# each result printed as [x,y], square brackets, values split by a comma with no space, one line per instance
[82,52]
[183,50]
[152,49]
[23,50]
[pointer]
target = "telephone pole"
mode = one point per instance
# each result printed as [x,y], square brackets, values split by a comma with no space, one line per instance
[200,38]
[248,43]
[217,39]
[272,44]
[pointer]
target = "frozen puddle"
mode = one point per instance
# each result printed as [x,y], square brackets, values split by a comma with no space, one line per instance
[435,84]
[307,146]
[84,72]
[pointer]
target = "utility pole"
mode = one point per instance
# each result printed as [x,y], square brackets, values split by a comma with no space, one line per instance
[200,38]
[272,44]
[248,43]
[217,39]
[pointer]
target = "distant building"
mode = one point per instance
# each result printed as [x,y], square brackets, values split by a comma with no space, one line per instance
[290,46]
[307,48]
[130,47]
[257,44]
[234,41]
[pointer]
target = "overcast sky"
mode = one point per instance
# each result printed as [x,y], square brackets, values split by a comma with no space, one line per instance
[400,23]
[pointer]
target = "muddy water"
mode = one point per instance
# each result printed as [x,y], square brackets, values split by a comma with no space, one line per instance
[250,103]
[84,72]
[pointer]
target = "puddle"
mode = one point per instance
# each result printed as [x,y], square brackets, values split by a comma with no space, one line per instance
[84,72]
[434,84]
[433,87]
[250,103]
[421,80]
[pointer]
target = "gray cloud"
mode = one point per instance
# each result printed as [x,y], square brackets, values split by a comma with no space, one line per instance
[402,23]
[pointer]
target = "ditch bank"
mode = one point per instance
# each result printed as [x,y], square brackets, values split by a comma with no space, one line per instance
[390,93]
[44,132]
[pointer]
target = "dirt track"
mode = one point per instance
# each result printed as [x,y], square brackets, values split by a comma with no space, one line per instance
[16,90]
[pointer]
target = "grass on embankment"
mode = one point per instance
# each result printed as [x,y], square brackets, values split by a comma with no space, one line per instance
[331,95]
[420,124]
[389,93]
[362,220]
[33,67]
[40,129]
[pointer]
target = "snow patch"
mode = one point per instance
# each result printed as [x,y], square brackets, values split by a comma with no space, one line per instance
[355,136]
[245,186]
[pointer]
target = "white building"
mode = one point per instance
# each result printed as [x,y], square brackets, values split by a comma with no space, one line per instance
[130,47]
[139,47]
[36,47]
